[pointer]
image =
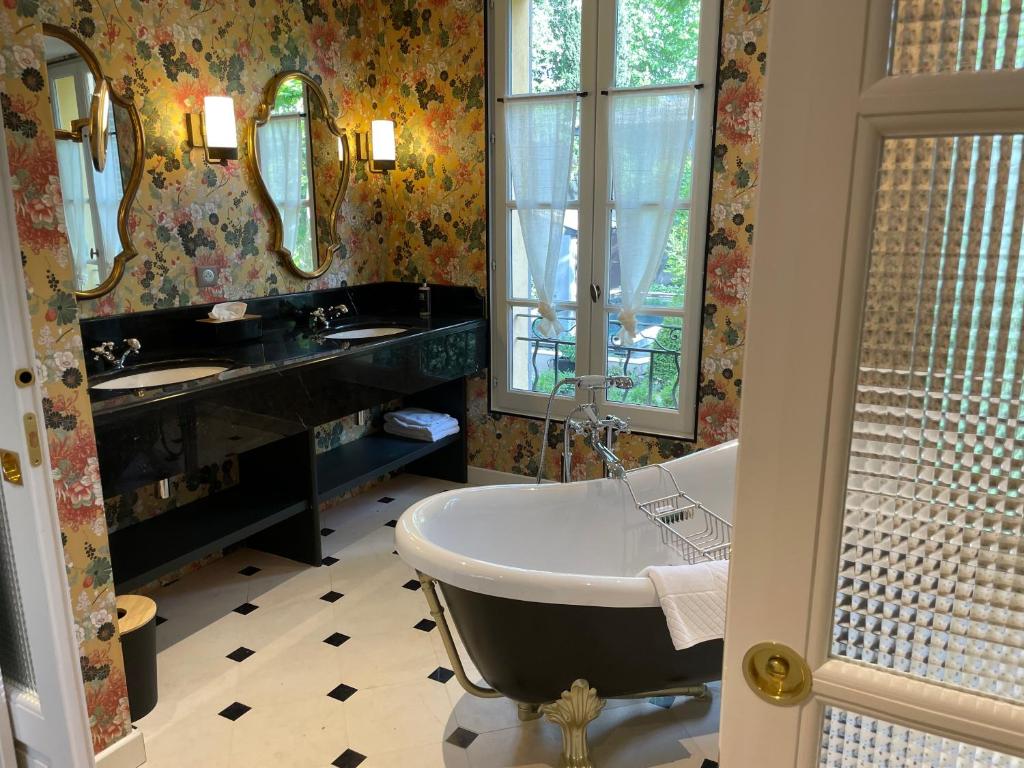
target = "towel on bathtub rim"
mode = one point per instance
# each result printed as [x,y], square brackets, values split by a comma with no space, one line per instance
[693,599]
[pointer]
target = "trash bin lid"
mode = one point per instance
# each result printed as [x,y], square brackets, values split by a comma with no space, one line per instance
[133,612]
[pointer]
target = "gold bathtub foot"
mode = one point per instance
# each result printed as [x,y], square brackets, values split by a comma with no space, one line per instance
[528,712]
[576,708]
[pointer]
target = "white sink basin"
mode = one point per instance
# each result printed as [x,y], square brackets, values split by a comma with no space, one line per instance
[160,377]
[366,333]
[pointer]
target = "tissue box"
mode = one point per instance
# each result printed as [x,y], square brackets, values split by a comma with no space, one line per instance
[245,328]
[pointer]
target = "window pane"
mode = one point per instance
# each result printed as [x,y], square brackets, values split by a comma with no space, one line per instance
[521,286]
[656,42]
[15,654]
[932,36]
[652,360]
[850,740]
[669,286]
[931,568]
[545,46]
[537,360]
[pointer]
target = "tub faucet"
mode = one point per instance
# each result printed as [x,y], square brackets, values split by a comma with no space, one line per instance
[585,420]
[105,351]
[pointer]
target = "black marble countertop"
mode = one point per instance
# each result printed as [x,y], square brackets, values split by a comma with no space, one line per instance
[279,349]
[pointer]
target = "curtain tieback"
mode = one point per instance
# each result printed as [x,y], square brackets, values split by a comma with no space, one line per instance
[627,319]
[550,325]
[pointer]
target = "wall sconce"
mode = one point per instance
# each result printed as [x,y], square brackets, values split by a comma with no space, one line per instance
[377,146]
[214,129]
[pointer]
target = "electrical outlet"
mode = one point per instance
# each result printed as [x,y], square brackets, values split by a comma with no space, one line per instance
[207,277]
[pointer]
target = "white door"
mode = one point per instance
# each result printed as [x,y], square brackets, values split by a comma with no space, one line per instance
[879,529]
[45,700]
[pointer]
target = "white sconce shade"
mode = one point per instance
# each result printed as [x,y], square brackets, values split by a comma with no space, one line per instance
[382,144]
[219,128]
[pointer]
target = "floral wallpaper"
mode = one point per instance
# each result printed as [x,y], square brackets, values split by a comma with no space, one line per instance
[419,62]
[60,369]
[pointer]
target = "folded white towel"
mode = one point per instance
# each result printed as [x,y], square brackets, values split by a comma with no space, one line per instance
[420,433]
[418,417]
[693,599]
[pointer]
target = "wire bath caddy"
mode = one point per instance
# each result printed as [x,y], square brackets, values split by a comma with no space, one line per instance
[707,539]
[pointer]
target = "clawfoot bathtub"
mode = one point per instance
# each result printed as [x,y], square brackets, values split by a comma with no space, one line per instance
[542,584]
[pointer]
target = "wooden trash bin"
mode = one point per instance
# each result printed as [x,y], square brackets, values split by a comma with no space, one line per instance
[136,618]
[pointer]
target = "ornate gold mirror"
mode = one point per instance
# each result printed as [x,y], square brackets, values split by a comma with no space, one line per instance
[300,158]
[100,152]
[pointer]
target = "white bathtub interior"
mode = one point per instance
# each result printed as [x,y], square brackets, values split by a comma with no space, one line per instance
[591,531]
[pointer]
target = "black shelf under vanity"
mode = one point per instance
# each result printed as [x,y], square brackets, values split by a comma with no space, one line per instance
[358,462]
[279,503]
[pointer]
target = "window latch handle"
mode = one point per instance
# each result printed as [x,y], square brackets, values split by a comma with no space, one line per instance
[595,292]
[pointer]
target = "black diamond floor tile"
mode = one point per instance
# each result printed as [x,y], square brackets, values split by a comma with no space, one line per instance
[326,531]
[160,620]
[462,737]
[391,523]
[336,639]
[424,625]
[331,596]
[348,759]
[385,499]
[249,570]
[342,692]
[329,561]
[412,584]
[246,608]
[234,711]
[441,675]
[709,764]
[240,654]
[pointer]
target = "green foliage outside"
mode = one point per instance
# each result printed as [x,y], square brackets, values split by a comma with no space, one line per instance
[657,42]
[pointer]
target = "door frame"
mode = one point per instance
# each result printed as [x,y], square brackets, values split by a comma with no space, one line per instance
[53,720]
[824,127]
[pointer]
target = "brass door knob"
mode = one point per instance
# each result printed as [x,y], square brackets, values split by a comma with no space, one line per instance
[777,674]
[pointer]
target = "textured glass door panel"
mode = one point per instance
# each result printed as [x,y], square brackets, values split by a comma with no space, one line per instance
[931,570]
[15,658]
[857,741]
[932,36]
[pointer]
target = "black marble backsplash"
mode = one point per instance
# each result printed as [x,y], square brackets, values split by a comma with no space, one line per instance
[176,329]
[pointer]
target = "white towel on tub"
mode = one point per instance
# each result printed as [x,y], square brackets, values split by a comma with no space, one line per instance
[693,599]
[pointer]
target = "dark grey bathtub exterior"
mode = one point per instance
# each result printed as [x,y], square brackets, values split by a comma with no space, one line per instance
[531,652]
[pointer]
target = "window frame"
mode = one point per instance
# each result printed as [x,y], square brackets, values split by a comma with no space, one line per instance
[597,78]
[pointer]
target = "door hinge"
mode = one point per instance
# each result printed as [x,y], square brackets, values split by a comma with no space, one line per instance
[35,448]
[10,462]
[494,137]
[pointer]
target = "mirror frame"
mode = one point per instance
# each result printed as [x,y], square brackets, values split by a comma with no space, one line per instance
[325,251]
[128,251]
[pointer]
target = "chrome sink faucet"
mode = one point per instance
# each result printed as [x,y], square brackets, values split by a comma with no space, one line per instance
[585,420]
[105,351]
[322,319]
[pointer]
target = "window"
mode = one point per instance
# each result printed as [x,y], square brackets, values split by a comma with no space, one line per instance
[600,183]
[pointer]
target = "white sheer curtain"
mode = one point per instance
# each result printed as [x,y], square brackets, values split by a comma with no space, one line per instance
[540,137]
[76,207]
[649,140]
[109,190]
[282,147]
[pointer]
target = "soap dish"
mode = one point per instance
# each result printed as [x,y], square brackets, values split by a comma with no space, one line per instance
[245,328]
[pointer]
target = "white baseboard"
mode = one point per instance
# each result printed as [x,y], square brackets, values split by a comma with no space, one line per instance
[481,476]
[129,752]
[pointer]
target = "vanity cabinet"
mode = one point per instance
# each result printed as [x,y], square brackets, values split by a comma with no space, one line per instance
[264,411]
